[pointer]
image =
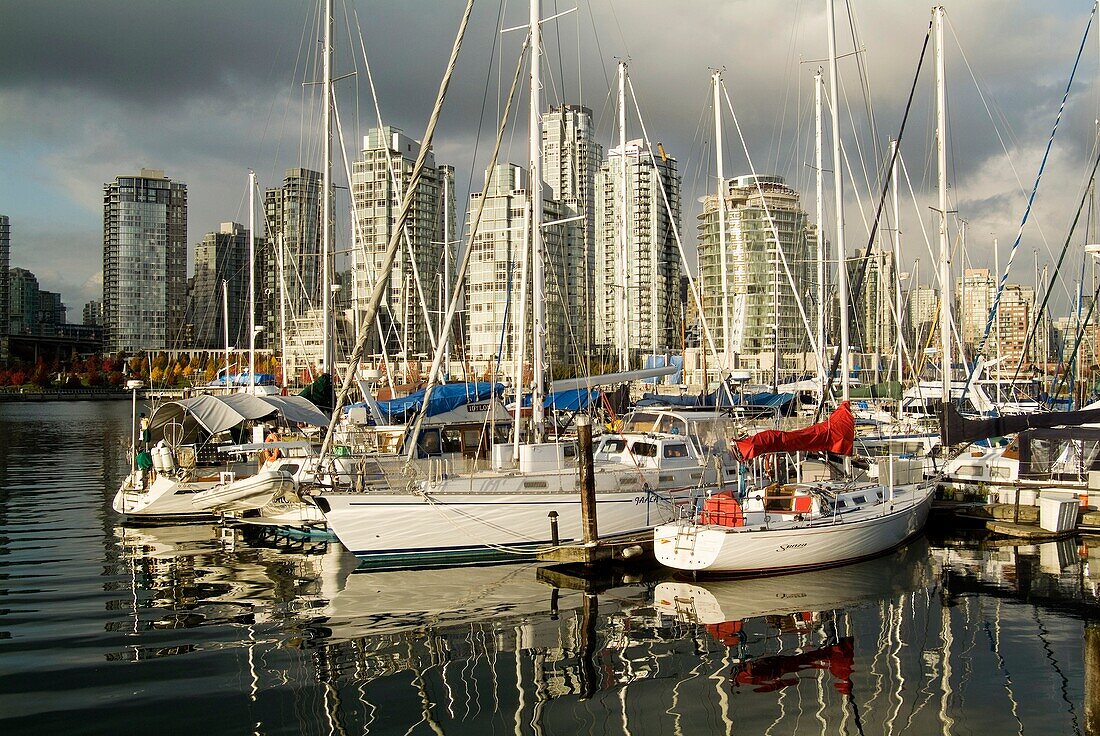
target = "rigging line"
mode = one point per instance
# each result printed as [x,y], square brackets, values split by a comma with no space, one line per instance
[780,254]
[865,88]
[692,285]
[1033,326]
[599,49]
[475,221]
[1031,198]
[996,129]
[378,294]
[881,204]
[1080,335]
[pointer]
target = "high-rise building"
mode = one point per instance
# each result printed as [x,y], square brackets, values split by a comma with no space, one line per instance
[872,319]
[379,179]
[1011,330]
[144,261]
[924,304]
[222,256]
[637,283]
[5,264]
[289,269]
[763,313]
[93,313]
[51,312]
[570,159]
[22,302]
[974,295]
[494,281]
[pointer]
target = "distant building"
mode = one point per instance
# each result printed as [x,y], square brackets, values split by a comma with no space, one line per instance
[637,283]
[493,285]
[93,313]
[389,154]
[570,161]
[222,256]
[872,324]
[289,269]
[22,302]
[762,309]
[144,262]
[924,305]
[51,312]
[5,264]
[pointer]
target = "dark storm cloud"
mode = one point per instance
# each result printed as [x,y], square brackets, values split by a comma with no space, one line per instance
[206,89]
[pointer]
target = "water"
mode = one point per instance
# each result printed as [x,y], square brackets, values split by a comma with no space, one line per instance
[109,628]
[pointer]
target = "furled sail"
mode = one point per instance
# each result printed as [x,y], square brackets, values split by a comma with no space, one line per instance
[836,435]
[956,429]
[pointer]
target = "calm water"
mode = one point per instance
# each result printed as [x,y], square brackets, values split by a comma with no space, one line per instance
[109,628]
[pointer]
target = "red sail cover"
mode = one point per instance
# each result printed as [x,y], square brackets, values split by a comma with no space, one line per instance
[836,435]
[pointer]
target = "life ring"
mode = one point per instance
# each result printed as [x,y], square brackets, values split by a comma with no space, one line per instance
[769,465]
[274,453]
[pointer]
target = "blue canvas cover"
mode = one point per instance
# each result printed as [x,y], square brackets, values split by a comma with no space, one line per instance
[444,398]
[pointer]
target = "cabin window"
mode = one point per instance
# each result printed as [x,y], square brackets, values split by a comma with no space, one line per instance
[291,468]
[677,450]
[859,499]
[672,425]
[429,444]
[452,440]
[569,450]
[644,449]
[612,446]
[471,438]
[640,421]
[502,433]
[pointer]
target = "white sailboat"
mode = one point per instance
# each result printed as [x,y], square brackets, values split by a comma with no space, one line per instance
[501,512]
[778,529]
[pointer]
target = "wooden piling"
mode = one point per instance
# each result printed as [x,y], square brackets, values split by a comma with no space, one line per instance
[1092,679]
[588,481]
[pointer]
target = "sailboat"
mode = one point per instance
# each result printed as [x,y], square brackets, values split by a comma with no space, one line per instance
[780,528]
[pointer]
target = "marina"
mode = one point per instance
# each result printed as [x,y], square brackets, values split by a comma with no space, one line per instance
[537,415]
[219,626]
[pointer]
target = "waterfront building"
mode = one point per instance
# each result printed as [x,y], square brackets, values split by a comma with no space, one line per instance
[221,256]
[388,155]
[493,284]
[290,268]
[637,283]
[51,312]
[144,261]
[765,322]
[974,294]
[5,264]
[924,305]
[22,302]
[93,313]
[872,324]
[571,158]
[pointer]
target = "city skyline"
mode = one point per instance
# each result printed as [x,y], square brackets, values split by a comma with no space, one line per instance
[69,123]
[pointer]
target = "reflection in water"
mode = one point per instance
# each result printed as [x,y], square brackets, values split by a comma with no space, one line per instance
[107,627]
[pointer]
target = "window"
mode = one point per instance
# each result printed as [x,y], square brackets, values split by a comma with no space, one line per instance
[677,450]
[644,449]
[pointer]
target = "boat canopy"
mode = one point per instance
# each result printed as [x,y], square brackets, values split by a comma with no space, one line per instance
[574,399]
[836,435]
[214,414]
[444,398]
[956,429]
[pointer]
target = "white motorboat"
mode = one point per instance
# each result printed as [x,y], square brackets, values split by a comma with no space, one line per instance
[794,527]
[187,437]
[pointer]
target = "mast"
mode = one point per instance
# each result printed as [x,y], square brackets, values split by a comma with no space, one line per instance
[326,204]
[251,282]
[941,168]
[899,339]
[538,298]
[225,326]
[282,308]
[997,323]
[446,338]
[821,253]
[624,232]
[727,353]
[838,194]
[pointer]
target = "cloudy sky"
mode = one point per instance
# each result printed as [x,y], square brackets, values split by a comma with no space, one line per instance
[206,89]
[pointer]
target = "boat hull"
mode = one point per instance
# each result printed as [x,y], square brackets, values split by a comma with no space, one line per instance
[791,547]
[244,494]
[485,519]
